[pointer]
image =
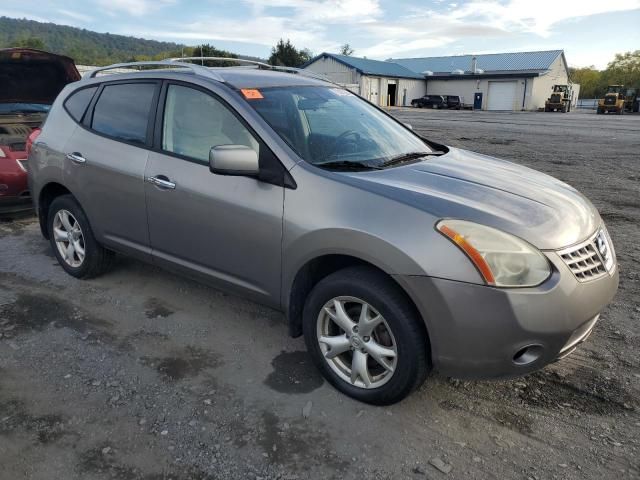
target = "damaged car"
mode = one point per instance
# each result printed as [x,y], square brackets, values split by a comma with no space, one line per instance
[30,81]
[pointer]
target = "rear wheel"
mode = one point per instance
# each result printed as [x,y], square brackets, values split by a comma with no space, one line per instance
[73,242]
[364,336]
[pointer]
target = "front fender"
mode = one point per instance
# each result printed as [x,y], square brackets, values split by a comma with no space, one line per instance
[351,243]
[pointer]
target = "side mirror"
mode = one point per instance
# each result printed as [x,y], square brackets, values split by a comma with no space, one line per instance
[233,160]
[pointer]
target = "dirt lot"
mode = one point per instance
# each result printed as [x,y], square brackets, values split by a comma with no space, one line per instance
[142,374]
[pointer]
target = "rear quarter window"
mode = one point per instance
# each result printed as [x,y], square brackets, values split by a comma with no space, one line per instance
[123,111]
[77,103]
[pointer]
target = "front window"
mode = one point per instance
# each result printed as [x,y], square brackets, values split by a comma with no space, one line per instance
[329,126]
[195,122]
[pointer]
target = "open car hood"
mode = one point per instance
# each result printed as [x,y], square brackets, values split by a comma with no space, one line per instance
[34,76]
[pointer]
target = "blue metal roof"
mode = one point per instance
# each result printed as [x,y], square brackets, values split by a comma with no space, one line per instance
[490,63]
[370,67]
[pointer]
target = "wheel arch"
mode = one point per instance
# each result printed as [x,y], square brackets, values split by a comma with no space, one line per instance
[319,267]
[46,196]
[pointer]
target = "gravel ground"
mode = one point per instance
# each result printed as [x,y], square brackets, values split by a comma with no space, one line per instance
[144,375]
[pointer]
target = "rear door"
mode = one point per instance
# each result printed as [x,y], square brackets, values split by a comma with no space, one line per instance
[106,159]
[224,229]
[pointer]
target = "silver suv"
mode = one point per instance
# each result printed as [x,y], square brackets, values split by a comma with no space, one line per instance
[392,254]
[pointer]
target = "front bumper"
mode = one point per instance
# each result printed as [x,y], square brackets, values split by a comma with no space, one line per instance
[478,331]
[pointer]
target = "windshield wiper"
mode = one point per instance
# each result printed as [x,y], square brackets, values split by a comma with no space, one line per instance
[406,157]
[347,165]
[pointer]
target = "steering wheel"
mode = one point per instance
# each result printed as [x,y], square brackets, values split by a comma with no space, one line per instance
[341,138]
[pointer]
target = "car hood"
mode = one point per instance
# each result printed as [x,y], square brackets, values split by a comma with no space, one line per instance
[460,184]
[34,76]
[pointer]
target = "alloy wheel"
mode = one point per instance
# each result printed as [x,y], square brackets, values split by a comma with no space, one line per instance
[356,342]
[69,238]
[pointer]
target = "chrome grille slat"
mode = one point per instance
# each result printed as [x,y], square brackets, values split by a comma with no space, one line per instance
[585,261]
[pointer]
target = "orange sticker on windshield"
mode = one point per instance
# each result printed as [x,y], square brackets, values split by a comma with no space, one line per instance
[251,93]
[15,55]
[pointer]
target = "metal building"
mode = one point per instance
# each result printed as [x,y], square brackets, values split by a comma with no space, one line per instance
[380,82]
[499,81]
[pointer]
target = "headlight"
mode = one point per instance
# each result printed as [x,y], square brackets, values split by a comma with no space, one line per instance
[502,259]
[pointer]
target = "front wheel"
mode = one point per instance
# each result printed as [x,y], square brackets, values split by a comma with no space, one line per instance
[72,240]
[365,337]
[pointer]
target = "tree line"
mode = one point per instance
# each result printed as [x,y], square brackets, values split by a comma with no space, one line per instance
[624,69]
[93,48]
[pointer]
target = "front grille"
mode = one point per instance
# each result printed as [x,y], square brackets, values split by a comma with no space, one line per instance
[555,98]
[610,99]
[590,259]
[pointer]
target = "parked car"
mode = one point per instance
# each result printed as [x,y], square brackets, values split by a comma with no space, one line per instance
[391,253]
[429,101]
[454,102]
[31,80]
[438,101]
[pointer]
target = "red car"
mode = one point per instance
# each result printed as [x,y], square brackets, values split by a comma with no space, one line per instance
[30,81]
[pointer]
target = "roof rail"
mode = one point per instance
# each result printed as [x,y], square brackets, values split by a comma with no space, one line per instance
[299,71]
[221,59]
[196,69]
[207,71]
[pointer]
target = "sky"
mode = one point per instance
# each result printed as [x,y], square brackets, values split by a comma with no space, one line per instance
[590,32]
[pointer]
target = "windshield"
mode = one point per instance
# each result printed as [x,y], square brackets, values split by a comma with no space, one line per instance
[330,126]
[24,108]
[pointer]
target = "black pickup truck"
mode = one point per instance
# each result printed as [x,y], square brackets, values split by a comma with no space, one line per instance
[437,101]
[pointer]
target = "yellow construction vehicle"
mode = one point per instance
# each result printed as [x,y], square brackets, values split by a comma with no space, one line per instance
[560,99]
[613,101]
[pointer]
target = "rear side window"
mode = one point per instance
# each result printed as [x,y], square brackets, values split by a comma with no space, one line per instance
[122,111]
[78,102]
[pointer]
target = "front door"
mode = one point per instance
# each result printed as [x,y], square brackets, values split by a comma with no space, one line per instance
[224,229]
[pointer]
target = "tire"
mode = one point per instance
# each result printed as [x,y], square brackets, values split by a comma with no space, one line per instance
[599,111]
[400,331]
[65,212]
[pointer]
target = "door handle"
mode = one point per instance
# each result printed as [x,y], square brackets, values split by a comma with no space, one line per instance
[76,157]
[162,182]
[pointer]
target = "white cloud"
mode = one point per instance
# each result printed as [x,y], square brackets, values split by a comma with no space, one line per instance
[374,31]
[133,7]
[264,30]
[538,17]
[328,11]
[75,15]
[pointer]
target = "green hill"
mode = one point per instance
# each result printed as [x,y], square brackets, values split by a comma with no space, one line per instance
[91,48]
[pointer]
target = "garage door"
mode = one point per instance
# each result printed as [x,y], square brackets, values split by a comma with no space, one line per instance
[502,95]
